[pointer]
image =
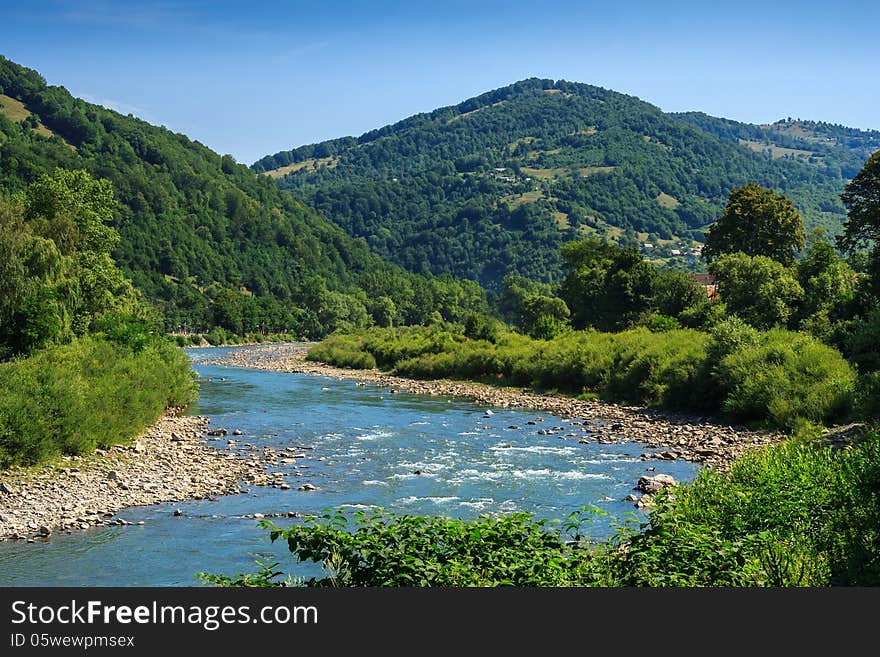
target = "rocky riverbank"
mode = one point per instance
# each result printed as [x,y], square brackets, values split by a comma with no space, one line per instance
[667,436]
[171,461]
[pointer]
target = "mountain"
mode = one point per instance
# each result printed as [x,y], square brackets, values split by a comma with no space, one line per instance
[196,227]
[497,183]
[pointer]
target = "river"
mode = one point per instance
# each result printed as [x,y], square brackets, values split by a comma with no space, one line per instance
[413,454]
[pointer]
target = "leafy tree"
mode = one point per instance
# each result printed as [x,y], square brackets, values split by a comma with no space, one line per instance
[862,200]
[57,275]
[862,226]
[544,317]
[227,310]
[383,310]
[757,289]
[676,292]
[607,287]
[829,286]
[756,221]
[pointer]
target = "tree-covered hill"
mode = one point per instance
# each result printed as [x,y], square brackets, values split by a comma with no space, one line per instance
[498,182]
[207,239]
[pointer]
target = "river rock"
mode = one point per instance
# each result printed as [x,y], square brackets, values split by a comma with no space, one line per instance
[644,501]
[7,489]
[654,484]
[307,487]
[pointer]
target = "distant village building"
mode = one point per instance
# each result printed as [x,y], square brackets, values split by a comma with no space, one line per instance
[675,252]
[708,283]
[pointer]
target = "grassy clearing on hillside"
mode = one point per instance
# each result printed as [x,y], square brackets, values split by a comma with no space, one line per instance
[465,115]
[667,201]
[15,111]
[310,166]
[521,199]
[561,219]
[544,174]
[777,152]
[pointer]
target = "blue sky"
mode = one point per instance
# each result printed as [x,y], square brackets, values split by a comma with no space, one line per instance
[253,78]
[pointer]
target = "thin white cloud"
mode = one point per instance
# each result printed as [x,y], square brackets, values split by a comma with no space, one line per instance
[118,106]
[125,14]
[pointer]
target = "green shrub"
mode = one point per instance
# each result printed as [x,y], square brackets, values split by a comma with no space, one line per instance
[795,514]
[661,323]
[339,352]
[786,376]
[70,399]
[384,549]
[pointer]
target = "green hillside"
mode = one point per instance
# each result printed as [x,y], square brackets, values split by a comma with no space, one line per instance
[207,239]
[497,183]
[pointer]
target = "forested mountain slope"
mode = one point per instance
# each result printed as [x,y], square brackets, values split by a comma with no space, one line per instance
[499,182]
[196,226]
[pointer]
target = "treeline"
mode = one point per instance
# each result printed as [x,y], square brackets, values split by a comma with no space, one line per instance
[495,185]
[209,242]
[87,361]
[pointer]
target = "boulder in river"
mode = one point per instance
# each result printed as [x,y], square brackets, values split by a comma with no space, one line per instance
[654,484]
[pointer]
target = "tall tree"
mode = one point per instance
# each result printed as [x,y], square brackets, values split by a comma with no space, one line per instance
[862,200]
[757,222]
[862,226]
[757,289]
[607,287]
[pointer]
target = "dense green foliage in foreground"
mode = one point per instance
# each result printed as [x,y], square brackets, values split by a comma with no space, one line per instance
[495,184]
[207,240]
[778,377]
[94,392]
[796,514]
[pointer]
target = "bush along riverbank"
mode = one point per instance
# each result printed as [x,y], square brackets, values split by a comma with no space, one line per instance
[95,392]
[801,513]
[220,337]
[778,379]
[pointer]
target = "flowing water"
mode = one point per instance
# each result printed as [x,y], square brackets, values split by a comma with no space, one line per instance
[368,446]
